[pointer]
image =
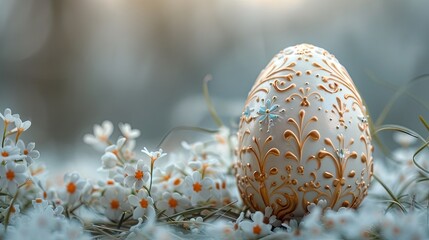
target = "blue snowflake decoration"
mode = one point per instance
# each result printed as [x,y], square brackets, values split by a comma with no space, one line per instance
[268,112]
[247,112]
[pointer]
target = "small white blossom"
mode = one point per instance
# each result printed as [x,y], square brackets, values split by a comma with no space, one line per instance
[21,126]
[29,152]
[222,230]
[8,117]
[256,228]
[137,176]
[10,153]
[167,178]
[108,161]
[116,148]
[149,230]
[154,155]
[198,189]
[73,186]
[195,224]
[128,132]
[12,175]
[142,202]
[115,202]
[14,213]
[100,139]
[172,203]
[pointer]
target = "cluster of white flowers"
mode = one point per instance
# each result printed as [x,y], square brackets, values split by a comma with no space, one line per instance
[139,184]
[26,208]
[189,193]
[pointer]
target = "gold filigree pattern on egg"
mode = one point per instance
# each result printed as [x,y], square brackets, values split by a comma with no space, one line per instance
[303,136]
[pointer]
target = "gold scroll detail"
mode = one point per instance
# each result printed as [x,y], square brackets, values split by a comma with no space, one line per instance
[300,136]
[304,94]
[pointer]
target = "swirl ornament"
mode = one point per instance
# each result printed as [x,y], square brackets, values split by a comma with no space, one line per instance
[303,136]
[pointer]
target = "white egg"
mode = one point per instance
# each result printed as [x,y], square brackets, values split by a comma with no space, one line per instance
[303,136]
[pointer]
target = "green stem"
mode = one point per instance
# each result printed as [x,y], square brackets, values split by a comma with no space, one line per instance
[395,199]
[187,128]
[6,222]
[395,97]
[121,220]
[151,175]
[209,103]
[424,122]
[4,133]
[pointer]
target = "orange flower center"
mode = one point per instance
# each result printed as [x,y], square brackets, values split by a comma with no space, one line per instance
[12,209]
[71,188]
[144,203]
[10,175]
[257,229]
[177,181]
[39,200]
[172,202]
[139,175]
[167,177]
[197,187]
[103,138]
[5,154]
[114,204]
[25,152]
[45,195]
[110,182]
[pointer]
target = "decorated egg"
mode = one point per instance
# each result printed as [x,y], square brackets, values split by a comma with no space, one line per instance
[303,136]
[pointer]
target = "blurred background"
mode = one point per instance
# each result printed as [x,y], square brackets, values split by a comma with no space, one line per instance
[67,65]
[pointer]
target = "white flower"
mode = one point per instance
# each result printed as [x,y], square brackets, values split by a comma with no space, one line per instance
[149,230]
[195,224]
[12,175]
[40,204]
[128,150]
[138,176]
[72,189]
[197,150]
[10,153]
[87,193]
[168,178]
[222,230]
[339,221]
[115,202]
[8,117]
[198,189]
[256,228]
[172,203]
[29,152]
[46,225]
[128,132]
[142,202]
[71,230]
[100,139]
[271,219]
[21,126]
[154,155]
[14,213]
[108,161]
[116,148]
[322,203]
